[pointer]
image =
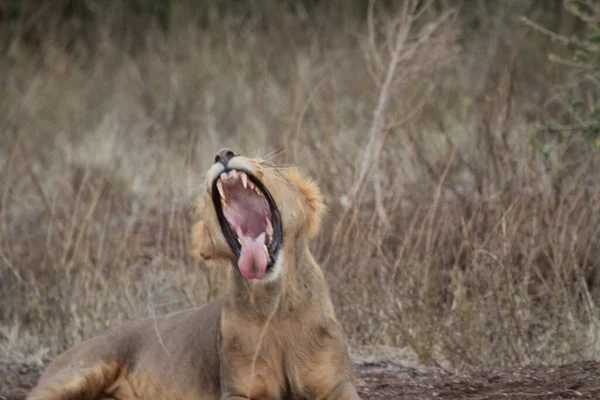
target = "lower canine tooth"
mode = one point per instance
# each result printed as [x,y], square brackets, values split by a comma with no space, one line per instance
[220,188]
[266,250]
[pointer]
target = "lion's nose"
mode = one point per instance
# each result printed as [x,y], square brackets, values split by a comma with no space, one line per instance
[224,155]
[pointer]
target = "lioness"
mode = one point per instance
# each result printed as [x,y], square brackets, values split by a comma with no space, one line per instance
[273,336]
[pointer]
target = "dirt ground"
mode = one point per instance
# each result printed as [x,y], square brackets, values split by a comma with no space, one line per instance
[390,380]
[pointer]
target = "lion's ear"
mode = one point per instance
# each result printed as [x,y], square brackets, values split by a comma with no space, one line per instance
[201,241]
[314,200]
[199,238]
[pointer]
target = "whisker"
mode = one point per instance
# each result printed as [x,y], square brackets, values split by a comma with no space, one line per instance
[274,154]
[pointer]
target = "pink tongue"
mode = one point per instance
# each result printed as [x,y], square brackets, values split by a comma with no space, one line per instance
[253,260]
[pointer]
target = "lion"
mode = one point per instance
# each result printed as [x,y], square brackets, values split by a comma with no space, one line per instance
[273,335]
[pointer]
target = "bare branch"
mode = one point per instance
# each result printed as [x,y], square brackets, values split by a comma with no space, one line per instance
[379,114]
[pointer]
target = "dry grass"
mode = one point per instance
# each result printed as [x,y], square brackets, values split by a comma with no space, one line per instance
[449,231]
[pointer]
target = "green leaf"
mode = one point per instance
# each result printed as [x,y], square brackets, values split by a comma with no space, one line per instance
[595,38]
[547,148]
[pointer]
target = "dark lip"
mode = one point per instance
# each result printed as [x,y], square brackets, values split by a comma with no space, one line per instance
[275,244]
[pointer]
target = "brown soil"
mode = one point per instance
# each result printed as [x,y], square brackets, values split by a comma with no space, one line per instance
[389,380]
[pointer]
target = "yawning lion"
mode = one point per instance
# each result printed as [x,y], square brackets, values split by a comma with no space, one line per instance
[273,336]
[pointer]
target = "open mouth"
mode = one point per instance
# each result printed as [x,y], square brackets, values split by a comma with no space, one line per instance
[249,220]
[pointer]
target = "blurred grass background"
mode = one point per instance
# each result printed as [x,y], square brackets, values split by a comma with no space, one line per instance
[474,235]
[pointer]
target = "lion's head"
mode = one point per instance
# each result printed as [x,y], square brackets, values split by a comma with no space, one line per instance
[253,211]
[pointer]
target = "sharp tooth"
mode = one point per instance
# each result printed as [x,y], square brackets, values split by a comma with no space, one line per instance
[266,250]
[240,241]
[220,188]
[244,179]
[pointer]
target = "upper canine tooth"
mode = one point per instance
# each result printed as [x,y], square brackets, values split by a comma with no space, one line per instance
[220,188]
[244,179]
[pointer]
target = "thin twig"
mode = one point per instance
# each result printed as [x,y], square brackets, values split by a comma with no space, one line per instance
[377,124]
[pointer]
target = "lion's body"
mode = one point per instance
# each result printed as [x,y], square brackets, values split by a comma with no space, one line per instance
[274,339]
[151,358]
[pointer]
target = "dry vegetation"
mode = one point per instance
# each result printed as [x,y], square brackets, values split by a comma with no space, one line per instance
[458,226]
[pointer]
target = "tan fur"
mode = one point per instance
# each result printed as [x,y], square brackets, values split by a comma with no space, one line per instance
[273,339]
[88,383]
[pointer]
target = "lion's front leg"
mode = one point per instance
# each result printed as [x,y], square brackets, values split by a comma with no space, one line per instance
[241,381]
[228,396]
[343,391]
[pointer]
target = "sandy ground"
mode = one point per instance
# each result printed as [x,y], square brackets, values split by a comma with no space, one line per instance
[380,379]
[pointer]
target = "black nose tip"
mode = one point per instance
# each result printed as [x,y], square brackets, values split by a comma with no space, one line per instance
[224,156]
